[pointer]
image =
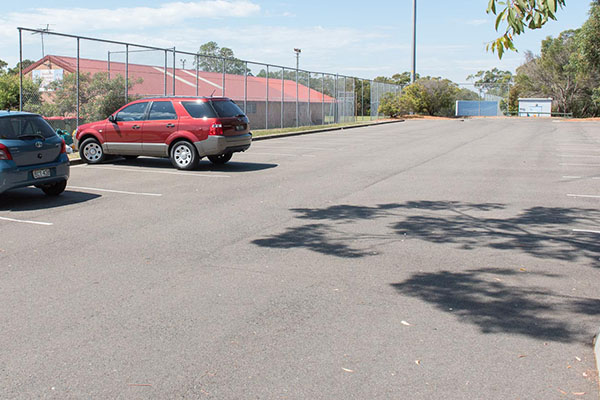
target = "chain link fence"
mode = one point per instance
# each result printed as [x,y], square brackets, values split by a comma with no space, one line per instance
[78,79]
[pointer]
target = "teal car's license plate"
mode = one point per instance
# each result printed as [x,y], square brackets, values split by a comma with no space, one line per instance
[41,173]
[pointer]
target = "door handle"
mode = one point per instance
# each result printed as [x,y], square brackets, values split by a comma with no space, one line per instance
[135,127]
[170,125]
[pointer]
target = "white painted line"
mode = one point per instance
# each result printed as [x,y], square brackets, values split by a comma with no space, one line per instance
[26,222]
[275,147]
[580,165]
[191,173]
[572,177]
[114,191]
[585,231]
[580,155]
[283,154]
[584,195]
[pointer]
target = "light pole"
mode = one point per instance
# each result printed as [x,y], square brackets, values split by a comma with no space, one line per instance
[413,75]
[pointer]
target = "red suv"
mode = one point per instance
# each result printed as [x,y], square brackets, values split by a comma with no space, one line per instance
[185,129]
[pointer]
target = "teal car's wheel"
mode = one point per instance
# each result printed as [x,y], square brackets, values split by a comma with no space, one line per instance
[54,189]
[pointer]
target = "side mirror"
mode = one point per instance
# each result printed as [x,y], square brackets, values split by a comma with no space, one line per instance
[112,118]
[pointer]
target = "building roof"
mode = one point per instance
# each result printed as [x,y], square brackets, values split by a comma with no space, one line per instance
[185,81]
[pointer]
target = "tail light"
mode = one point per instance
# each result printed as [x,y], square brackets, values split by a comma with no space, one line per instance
[4,153]
[216,129]
[63,147]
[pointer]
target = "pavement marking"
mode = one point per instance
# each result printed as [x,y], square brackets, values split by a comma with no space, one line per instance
[585,231]
[283,154]
[572,177]
[579,155]
[590,196]
[580,165]
[26,222]
[275,147]
[191,173]
[114,191]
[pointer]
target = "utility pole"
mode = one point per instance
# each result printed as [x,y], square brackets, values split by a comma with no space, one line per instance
[413,75]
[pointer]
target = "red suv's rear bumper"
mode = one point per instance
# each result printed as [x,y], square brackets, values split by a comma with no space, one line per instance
[215,145]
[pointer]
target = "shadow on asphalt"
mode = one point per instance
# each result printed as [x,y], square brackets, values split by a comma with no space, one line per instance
[481,297]
[205,165]
[543,232]
[30,199]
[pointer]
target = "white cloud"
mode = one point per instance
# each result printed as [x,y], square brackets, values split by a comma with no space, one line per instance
[127,18]
[477,22]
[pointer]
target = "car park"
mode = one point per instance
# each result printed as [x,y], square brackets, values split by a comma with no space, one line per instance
[31,154]
[185,129]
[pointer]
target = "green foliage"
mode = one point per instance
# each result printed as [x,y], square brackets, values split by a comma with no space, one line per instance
[431,96]
[402,79]
[494,82]
[519,15]
[98,96]
[590,38]
[9,88]
[215,60]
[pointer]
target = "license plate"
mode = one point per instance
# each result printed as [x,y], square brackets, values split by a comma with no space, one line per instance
[240,127]
[41,173]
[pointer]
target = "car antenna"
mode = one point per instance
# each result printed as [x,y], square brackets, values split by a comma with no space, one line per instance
[213,92]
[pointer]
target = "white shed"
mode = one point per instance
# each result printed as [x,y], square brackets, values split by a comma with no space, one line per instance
[535,108]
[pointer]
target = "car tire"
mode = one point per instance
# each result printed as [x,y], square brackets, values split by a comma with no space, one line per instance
[220,159]
[54,189]
[91,151]
[184,156]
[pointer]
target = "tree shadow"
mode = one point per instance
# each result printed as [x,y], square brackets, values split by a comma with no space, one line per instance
[30,199]
[480,298]
[542,232]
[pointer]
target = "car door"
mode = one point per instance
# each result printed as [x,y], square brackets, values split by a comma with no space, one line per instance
[161,122]
[124,135]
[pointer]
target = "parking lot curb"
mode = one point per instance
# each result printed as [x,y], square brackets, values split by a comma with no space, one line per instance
[79,161]
[310,131]
[597,354]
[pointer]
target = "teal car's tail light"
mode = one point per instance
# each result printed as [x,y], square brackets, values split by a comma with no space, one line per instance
[4,153]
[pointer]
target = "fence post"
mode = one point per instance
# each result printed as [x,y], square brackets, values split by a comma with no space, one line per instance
[323,99]
[174,66]
[335,96]
[108,66]
[282,95]
[126,73]
[362,99]
[309,113]
[223,83]
[297,105]
[246,87]
[77,120]
[165,74]
[197,79]
[267,102]
[20,70]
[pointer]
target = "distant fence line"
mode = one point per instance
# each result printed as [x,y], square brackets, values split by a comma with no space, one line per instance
[273,96]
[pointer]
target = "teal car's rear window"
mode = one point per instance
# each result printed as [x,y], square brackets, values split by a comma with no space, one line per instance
[24,127]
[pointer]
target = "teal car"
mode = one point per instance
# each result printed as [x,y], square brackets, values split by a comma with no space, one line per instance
[31,154]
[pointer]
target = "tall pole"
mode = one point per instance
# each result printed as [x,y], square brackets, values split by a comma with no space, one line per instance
[174,68]
[126,73]
[413,76]
[297,51]
[77,120]
[20,70]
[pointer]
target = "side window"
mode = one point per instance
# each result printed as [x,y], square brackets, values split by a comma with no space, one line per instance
[134,112]
[162,110]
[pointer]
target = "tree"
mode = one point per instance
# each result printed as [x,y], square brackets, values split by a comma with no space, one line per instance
[590,38]
[218,57]
[401,79]
[518,16]
[494,82]
[432,96]
[9,87]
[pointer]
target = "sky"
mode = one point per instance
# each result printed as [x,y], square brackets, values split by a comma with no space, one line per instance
[354,38]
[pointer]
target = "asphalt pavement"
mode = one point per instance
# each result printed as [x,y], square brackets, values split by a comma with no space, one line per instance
[438,259]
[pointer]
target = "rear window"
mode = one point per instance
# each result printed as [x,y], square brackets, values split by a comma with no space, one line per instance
[199,109]
[25,127]
[226,109]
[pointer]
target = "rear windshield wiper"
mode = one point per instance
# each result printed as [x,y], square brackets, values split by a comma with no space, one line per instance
[32,135]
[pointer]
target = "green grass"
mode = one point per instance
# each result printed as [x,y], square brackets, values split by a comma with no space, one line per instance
[265,132]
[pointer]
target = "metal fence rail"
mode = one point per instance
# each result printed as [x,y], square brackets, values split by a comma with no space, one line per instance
[79,78]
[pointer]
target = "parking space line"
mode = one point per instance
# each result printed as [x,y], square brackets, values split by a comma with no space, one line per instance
[572,177]
[191,173]
[114,191]
[283,154]
[580,155]
[584,195]
[580,165]
[585,231]
[292,147]
[26,222]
